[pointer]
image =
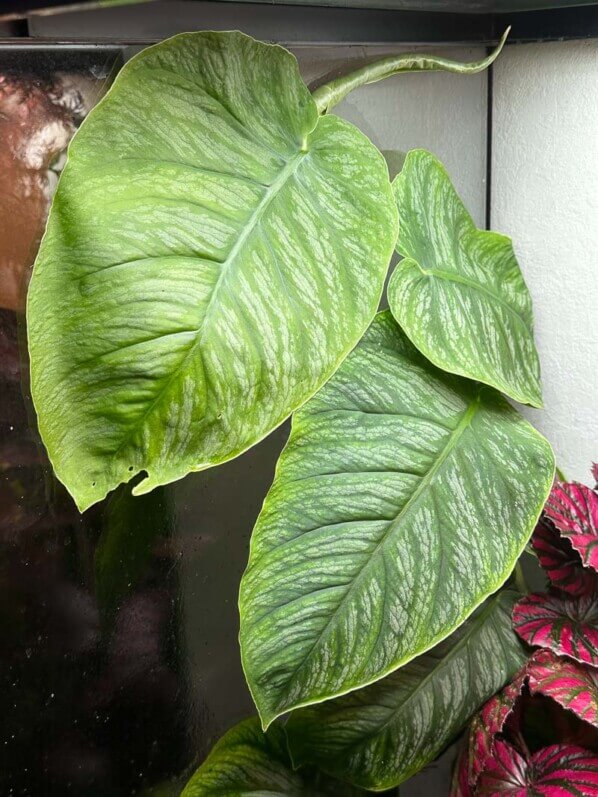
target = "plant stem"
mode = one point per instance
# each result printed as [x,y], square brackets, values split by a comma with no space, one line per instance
[330,94]
[520,581]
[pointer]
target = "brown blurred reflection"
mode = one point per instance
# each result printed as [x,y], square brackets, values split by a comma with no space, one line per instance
[38,116]
[91,697]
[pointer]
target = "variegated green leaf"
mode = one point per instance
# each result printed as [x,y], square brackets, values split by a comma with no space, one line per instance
[458,293]
[401,501]
[379,736]
[214,250]
[248,762]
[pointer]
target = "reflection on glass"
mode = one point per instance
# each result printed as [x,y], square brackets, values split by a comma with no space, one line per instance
[91,695]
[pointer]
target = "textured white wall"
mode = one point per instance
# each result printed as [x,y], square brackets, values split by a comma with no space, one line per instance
[438,111]
[545,195]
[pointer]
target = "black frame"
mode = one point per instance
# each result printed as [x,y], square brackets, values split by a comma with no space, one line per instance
[292,23]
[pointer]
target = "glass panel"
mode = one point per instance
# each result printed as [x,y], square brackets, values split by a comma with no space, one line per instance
[120,667]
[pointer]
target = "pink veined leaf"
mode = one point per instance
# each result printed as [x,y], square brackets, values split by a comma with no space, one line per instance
[488,722]
[556,771]
[566,625]
[573,508]
[460,781]
[571,684]
[560,561]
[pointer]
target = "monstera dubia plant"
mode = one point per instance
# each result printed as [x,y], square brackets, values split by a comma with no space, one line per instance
[213,262]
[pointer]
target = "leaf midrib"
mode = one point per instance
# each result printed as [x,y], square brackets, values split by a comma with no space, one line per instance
[454,437]
[273,190]
[451,276]
[396,710]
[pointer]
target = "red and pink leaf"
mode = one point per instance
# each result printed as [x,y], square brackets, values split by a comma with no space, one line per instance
[460,781]
[566,625]
[561,563]
[573,508]
[556,771]
[488,722]
[574,686]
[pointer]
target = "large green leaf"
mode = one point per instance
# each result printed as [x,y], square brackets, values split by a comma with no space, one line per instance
[214,250]
[247,761]
[458,293]
[379,736]
[401,501]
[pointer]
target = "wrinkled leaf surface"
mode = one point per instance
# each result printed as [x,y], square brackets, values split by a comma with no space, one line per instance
[566,625]
[213,252]
[573,508]
[573,685]
[379,736]
[561,563]
[458,293]
[487,724]
[401,501]
[556,771]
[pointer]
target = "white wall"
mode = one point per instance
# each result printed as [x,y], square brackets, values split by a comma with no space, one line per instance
[438,111]
[545,195]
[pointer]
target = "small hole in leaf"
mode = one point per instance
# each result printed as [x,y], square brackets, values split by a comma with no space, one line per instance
[93,484]
[130,468]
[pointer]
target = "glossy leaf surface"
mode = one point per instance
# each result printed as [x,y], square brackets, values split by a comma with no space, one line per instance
[556,771]
[573,685]
[458,293]
[573,508]
[568,626]
[213,252]
[379,736]
[401,501]
[248,762]
[561,563]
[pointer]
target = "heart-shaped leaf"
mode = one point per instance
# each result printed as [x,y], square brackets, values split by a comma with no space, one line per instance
[379,736]
[573,685]
[401,501]
[561,563]
[214,250]
[247,761]
[566,625]
[458,293]
[556,771]
[573,508]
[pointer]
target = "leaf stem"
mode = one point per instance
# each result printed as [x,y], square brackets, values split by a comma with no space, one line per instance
[520,581]
[330,94]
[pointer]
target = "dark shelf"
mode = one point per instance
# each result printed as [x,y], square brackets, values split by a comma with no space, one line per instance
[322,21]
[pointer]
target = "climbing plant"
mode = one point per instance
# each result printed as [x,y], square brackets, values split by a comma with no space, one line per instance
[213,262]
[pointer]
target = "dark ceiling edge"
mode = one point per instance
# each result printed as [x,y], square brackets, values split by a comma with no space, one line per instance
[304,24]
[557,24]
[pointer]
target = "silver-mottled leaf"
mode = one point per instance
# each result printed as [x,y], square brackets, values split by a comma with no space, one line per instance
[458,293]
[213,252]
[379,736]
[402,500]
